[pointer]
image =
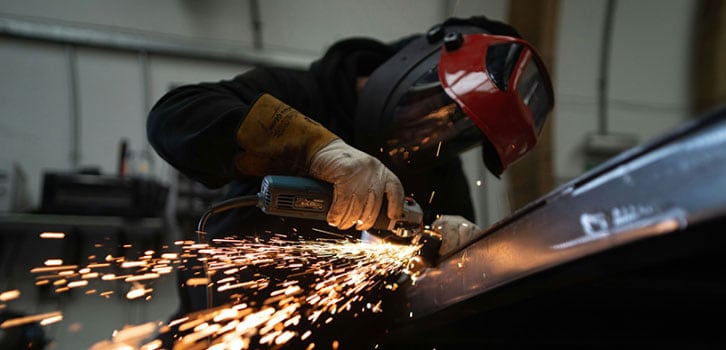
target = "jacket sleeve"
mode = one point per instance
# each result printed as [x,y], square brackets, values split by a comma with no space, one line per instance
[195,127]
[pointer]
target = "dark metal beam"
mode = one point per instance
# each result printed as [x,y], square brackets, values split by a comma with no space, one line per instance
[652,191]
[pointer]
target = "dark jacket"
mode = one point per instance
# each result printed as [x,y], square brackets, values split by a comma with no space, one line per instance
[193,128]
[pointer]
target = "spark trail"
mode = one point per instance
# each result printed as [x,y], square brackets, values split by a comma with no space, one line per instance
[299,286]
[266,293]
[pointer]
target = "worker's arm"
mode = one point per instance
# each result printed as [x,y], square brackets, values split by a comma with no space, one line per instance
[218,132]
[274,138]
[193,127]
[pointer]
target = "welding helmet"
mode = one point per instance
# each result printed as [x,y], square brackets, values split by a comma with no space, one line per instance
[452,89]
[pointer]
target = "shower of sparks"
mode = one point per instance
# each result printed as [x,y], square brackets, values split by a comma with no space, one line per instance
[266,292]
[298,284]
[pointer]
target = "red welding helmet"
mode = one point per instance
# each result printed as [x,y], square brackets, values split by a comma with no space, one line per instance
[501,84]
[448,92]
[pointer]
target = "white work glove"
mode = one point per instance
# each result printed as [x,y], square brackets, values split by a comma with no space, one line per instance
[455,231]
[360,182]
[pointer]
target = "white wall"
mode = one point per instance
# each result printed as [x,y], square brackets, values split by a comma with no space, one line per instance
[47,87]
[648,76]
[35,104]
[216,20]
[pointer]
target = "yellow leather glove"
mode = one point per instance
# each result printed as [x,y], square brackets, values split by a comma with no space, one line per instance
[276,139]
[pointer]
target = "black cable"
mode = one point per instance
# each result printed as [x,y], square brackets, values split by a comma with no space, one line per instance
[236,202]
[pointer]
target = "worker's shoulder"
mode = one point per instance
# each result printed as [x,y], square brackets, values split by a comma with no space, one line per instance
[270,70]
[276,75]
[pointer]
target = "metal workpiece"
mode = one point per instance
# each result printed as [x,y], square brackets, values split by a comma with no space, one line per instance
[670,185]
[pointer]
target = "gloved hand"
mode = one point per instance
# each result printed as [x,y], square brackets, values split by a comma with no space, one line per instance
[276,139]
[360,182]
[455,231]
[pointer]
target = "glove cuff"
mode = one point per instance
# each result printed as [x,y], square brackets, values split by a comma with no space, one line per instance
[277,139]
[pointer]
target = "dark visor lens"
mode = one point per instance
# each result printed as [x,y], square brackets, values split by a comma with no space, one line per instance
[533,91]
[501,59]
[428,133]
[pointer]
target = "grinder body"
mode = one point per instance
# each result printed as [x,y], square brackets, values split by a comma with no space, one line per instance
[307,198]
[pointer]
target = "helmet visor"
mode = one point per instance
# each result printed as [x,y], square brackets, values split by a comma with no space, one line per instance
[533,91]
[428,126]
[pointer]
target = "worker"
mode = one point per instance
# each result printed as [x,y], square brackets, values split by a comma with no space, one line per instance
[379,121]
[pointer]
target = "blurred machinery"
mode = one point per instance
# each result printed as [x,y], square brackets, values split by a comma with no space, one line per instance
[13,191]
[96,194]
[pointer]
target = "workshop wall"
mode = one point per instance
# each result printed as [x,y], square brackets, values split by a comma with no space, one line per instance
[79,77]
[648,72]
[95,96]
[65,105]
